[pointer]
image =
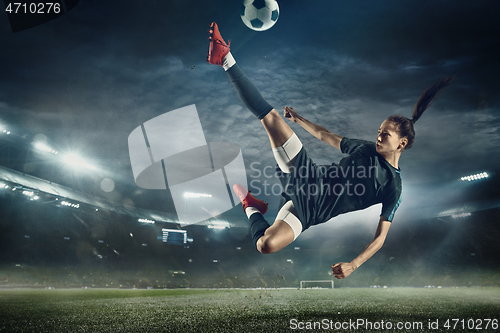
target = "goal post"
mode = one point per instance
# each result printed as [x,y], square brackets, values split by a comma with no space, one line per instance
[316,284]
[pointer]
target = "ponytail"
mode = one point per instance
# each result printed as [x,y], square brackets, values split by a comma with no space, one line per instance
[429,96]
[405,125]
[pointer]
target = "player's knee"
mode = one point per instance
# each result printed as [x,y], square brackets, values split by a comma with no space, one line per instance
[265,245]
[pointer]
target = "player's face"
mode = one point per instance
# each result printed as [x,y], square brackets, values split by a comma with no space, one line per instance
[388,140]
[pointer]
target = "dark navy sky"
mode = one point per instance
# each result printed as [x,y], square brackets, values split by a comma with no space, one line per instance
[88,78]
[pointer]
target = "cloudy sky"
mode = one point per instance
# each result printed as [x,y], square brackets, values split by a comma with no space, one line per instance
[87,79]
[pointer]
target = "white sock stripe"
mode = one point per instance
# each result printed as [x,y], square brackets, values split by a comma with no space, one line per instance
[251,210]
[228,61]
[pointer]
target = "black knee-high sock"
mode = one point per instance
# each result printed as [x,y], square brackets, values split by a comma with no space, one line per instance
[249,94]
[258,226]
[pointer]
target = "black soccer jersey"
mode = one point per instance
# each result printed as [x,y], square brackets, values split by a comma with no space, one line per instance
[360,180]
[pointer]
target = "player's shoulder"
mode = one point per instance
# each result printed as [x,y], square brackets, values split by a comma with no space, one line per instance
[395,183]
[349,146]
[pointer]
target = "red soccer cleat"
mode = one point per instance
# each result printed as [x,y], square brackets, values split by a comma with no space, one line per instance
[218,48]
[247,200]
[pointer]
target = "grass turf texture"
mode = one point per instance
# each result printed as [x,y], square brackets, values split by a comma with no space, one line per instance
[199,310]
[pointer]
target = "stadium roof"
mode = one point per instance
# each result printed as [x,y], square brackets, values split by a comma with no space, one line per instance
[26,181]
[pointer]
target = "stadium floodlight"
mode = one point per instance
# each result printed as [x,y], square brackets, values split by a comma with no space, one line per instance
[475,177]
[75,160]
[69,204]
[219,225]
[456,216]
[146,221]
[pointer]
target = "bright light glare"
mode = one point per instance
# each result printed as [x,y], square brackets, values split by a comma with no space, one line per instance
[76,161]
[476,176]
[43,147]
[219,227]
[196,195]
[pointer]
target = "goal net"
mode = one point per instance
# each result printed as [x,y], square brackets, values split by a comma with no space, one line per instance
[316,284]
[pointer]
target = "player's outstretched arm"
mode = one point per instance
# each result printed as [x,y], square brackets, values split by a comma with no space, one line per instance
[344,269]
[319,132]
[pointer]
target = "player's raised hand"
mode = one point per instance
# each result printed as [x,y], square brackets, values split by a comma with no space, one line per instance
[290,113]
[342,269]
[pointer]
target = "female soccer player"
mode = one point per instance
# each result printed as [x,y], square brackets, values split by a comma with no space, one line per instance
[314,194]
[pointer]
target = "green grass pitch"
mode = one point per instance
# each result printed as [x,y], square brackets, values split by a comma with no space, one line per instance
[283,310]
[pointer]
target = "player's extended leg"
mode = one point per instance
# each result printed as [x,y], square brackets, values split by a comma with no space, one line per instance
[277,129]
[285,145]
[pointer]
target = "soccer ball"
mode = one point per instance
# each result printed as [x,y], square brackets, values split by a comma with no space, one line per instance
[259,15]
